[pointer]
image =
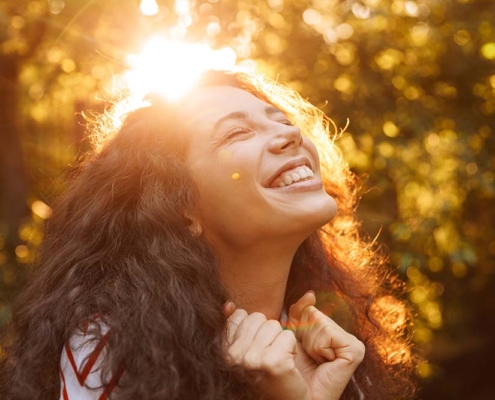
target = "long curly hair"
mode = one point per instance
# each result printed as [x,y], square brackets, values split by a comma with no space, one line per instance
[118,246]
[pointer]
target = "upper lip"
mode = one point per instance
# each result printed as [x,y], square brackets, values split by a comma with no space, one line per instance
[297,162]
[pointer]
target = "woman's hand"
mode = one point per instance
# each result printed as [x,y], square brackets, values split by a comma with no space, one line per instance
[328,355]
[258,344]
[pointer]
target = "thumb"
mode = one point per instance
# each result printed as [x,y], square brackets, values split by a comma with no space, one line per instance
[296,310]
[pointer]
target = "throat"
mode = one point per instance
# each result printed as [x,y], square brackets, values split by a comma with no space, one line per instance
[257,283]
[268,300]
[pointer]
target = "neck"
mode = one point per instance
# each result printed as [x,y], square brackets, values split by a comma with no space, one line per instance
[256,277]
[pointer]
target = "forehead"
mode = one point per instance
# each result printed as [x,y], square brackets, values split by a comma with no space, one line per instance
[206,105]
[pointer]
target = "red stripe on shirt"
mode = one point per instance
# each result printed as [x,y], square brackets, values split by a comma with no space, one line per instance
[64,388]
[91,361]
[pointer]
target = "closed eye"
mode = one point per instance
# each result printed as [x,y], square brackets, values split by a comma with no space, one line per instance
[286,122]
[236,132]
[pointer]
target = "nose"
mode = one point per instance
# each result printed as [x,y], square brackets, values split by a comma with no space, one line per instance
[287,138]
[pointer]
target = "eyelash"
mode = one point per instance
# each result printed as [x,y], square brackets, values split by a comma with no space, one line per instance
[238,131]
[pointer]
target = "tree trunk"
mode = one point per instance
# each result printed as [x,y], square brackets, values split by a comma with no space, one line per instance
[13,180]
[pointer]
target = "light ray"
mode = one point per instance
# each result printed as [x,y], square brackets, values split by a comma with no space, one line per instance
[172,67]
[149,7]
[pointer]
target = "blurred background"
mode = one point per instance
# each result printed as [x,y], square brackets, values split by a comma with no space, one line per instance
[415,79]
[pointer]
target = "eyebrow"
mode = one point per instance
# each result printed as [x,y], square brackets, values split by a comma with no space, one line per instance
[270,110]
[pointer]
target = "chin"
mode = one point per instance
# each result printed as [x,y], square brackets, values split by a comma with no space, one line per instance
[325,211]
[321,213]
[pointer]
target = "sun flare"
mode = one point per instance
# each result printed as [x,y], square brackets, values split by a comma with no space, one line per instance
[172,67]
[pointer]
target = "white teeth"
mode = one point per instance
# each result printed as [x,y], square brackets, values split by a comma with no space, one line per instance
[287,179]
[302,173]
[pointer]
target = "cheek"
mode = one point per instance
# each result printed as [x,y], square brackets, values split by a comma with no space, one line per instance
[229,167]
[224,179]
[311,148]
[224,204]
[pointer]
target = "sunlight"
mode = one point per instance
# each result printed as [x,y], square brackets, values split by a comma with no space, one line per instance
[171,67]
[149,7]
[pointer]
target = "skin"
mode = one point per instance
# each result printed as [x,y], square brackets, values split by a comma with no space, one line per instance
[313,359]
[255,231]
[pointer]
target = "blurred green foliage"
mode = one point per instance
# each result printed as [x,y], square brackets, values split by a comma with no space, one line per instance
[415,78]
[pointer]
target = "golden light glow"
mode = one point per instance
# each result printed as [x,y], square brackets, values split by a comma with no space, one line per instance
[488,51]
[41,209]
[390,129]
[21,251]
[172,67]
[148,7]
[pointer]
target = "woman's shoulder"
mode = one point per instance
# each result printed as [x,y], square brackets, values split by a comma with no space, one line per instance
[80,364]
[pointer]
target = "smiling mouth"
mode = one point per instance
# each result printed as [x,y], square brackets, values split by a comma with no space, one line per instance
[292,176]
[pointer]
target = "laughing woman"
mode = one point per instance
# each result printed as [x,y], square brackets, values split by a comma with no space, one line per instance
[208,249]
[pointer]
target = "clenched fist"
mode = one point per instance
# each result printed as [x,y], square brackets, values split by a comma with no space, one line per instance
[313,359]
[328,355]
[258,344]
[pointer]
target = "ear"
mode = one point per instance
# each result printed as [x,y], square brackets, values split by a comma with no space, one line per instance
[194,225]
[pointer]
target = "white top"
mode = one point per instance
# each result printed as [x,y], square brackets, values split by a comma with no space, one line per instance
[80,365]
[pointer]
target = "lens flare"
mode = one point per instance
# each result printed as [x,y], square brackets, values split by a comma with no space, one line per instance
[149,7]
[171,67]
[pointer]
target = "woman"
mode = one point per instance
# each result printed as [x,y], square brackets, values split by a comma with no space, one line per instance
[181,262]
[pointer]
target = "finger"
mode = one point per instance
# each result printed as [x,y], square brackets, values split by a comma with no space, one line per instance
[322,344]
[241,350]
[247,330]
[346,346]
[267,333]
[325,338]
[233,323]
[261,344]
[311,325]
[296,310]
[285,342]
[305,323]
[279,358]
[319,339]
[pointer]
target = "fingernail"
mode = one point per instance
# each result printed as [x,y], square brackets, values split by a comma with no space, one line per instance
[311,291]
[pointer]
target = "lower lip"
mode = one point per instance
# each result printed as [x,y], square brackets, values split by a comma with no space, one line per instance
[303,186]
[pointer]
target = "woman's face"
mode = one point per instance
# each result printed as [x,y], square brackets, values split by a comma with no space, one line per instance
[257,177]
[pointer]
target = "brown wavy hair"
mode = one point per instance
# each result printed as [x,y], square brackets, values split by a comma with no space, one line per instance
[118,246]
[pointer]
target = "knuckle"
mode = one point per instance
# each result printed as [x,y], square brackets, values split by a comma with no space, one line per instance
[358,352]
[273,325]
[309,310]
[258,316]
[327,330]
[241,312]
[250,361]
[238,316]
[275,365]
[315,312]
[361,349]
[234,356]
[288,335]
